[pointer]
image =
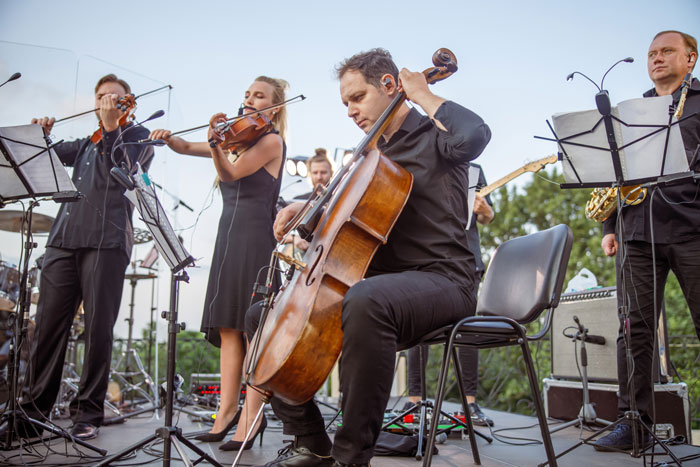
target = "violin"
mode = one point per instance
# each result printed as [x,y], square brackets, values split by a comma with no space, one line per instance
[242,130]
[126,104]
[240,133]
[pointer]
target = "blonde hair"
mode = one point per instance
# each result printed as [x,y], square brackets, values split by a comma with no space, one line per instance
[279,86]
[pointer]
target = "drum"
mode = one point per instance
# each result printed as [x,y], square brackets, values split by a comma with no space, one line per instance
[9,286]
[34,283]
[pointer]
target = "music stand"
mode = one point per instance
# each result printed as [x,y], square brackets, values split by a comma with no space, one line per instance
[30,170]
[141,192]
[651,153]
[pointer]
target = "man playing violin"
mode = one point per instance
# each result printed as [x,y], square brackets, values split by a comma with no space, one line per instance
[87,254]
[423,278]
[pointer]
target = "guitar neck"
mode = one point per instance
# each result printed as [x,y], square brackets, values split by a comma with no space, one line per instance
[501,181]
[531,167]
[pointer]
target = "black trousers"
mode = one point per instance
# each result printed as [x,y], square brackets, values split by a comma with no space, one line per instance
[468,363]
[638,276]
[379,313]
[69,277]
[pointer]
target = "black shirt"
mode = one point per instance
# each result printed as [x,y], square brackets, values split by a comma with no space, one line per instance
[676,208]
[81,224]
[430,234]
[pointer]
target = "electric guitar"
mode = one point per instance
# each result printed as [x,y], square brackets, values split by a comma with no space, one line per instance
[533,167]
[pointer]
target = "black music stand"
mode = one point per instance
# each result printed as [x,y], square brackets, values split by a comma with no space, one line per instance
[141,193]
[30,170]
[622,169]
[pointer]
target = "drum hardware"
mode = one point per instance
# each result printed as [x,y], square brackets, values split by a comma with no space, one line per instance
[9,286]
[133,380]
[14,221]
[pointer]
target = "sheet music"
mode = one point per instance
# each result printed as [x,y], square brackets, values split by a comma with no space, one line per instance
[24,143]
[650,111]
[640,160]
[471,194]
[143,196]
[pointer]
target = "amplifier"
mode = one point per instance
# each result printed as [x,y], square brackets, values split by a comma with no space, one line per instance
[563,400]
[597,311]
[205,384]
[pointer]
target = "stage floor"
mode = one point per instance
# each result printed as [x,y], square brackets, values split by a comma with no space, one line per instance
[455,452]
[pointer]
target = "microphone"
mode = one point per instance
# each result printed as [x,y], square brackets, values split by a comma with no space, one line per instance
[121,176]
[179,201]
[12,78]
[626,60]
[571,76]
[600,340]
[600,88]
[154,115]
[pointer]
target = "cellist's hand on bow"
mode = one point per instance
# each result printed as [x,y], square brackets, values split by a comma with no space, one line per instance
[416,88]
[283,217]
[109,113]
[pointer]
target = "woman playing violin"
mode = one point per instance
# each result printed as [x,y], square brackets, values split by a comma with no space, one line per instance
[250,183]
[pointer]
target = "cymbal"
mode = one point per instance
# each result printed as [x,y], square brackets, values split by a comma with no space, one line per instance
[12,221]
[137,276]
[142,236]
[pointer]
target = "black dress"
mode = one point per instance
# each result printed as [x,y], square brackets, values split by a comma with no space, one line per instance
[244,243]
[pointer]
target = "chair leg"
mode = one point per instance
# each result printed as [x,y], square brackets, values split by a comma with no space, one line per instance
[465,407]
[436,408]
[534,387]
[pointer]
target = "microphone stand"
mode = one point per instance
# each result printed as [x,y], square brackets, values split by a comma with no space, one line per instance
[587,415]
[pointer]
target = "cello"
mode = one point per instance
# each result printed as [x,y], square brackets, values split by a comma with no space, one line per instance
[299,337]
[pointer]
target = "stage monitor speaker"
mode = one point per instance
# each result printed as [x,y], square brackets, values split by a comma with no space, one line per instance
[563,399]
[596,310]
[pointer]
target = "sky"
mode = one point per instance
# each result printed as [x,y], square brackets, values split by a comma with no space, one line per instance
[513,60]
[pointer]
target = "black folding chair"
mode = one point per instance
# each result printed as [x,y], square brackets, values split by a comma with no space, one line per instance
[524,278]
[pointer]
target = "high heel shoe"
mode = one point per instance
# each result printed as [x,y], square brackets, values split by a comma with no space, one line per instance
[219,435]
[236,445]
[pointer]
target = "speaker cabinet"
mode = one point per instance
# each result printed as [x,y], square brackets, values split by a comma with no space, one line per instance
[596,310]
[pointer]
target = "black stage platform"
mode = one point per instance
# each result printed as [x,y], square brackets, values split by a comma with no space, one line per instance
[455,452]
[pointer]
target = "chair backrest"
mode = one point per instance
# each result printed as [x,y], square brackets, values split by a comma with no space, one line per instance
[526,274]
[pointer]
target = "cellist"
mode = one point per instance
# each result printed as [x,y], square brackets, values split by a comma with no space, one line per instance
[422,279]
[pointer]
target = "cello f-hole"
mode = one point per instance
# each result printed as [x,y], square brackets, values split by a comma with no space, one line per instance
[310,274]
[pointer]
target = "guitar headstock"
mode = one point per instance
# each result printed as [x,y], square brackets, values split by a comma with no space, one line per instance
[539,164]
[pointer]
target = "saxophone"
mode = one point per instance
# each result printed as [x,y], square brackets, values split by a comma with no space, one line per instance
[603,201]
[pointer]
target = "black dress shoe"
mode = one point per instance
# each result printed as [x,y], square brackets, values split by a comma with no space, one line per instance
[299,457]
[478,417]
[620,439]
[82,430]
[340,464]
[219,435]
